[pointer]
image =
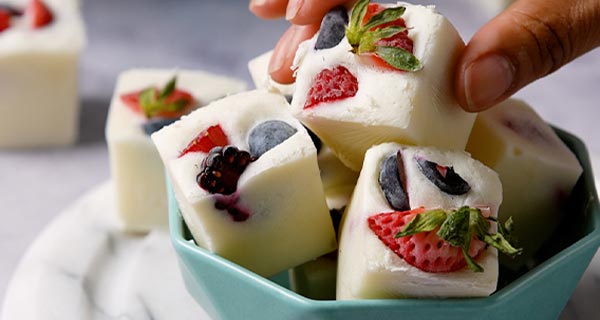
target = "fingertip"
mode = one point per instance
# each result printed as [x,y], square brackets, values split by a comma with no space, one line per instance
[285,51]
[304,12]
[268,9]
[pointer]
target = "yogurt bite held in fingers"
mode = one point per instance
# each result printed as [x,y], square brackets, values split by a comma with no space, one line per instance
[378,77]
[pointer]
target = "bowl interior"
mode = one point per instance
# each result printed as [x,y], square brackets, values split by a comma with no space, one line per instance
[559,266]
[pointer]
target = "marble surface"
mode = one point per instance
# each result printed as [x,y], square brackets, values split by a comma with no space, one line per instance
[217,36]
[105,273]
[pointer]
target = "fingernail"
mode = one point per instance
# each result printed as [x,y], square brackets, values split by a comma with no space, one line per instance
[486,80]
[293,8]
[278,57]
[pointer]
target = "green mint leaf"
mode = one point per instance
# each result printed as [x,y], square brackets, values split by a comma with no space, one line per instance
[148,102]
[455,230]
[354,31]
[385,16]
[399,58]
[497,240]
[368,40]
[168,89]
[426,221]
[470,262]
[176,105]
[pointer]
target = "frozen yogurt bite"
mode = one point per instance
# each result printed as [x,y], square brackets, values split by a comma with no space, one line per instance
[370,77]
[144,101]
[40,46]
[245,176]
[415,225]
[538,171]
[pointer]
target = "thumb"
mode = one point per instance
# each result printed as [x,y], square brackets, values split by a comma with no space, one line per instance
[529,40]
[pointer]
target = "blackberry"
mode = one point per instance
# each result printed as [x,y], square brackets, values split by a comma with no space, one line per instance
[391,181]
[222,169]
[333,28]
[443,177]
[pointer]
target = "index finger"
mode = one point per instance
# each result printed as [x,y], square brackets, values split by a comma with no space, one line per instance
[305,12]
[268,9]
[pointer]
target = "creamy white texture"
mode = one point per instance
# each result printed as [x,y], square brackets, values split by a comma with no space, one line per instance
[368,269]
[409,107]
[136,168]
[537,170]
[65,34]
[289,221]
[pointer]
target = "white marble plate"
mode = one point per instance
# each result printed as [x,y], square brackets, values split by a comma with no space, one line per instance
[82,267]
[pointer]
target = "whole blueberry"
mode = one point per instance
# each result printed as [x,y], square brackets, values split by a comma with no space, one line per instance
[156,124]
[391,175]
[333,28]
[267,135]
[443,177]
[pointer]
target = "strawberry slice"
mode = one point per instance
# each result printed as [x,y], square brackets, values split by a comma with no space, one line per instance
[379,36]
[425,250]
[132,100]
[400,40]
[4,20]
[206,140]
[39,14]
[331,85]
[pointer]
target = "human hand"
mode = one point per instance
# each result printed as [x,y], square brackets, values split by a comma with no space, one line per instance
[528,41]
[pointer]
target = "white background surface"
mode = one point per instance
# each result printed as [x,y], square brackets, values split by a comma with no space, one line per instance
[217,36]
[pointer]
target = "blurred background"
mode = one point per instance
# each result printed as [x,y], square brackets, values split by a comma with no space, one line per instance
[221,37]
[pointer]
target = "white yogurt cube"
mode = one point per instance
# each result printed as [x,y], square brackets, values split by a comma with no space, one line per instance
[537,170]
[136,167]
[369,269]
[388,105]
[274,216]
[39,73]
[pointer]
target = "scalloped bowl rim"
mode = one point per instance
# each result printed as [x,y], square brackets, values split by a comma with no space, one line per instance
[590,239]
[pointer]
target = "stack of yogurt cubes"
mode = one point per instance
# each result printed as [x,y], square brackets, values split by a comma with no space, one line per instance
[372,132]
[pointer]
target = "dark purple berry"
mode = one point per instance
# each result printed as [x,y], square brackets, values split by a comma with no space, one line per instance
[315,139]
[222,168]
[443,177]
[391,177]
[11,10]
[154,125]
[336,218]
[268,135]
[230,204]
[333,28]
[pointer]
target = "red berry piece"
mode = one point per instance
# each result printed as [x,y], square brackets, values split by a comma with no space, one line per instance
[132,100]
[39,14]
[222,169]
[426,250]
[206,140]
[331,85]
[400,40]
[4,19]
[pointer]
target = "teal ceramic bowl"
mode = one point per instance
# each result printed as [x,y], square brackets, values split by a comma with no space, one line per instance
[227,291]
